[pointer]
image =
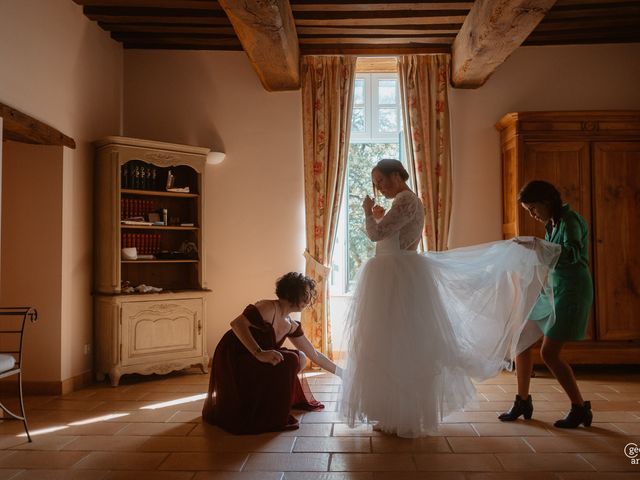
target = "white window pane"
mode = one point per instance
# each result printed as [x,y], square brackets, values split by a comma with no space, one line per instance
[358,93]
[387,120]
[357,120]
[387,92]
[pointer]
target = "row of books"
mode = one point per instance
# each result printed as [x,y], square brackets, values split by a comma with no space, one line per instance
[134,207]
[145,243]
[140,176]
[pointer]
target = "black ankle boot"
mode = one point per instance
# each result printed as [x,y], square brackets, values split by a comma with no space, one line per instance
[520,407]
[579,414]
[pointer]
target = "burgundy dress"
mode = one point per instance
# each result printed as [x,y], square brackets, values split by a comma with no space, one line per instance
[249,396]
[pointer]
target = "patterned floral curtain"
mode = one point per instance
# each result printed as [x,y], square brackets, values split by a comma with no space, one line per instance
[327,92]
[424,82]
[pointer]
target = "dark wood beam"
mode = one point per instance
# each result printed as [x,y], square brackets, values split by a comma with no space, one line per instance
[380,7]
[169,29]
[177,42]
[188,4]
[380,30]
[20,127]
[363,50]
[491,32]
[377,41]
[414,20]
[267,33]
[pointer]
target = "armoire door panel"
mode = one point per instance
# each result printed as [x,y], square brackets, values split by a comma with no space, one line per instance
[564,164]
[616,189]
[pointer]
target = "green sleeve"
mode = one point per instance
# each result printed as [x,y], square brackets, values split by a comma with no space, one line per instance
[571,241]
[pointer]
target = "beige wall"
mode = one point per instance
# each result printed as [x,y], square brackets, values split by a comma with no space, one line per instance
[31,246]
[62,69]
[254,204]
[595,77]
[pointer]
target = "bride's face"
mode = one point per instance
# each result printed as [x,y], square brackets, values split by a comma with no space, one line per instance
[385,184]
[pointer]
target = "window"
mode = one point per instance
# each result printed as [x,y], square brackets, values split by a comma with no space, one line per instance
[376,133]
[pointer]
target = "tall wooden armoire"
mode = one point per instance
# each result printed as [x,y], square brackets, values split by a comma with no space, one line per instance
[593,157]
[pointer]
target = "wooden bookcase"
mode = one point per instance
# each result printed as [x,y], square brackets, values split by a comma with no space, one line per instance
[593,157]
[149,332]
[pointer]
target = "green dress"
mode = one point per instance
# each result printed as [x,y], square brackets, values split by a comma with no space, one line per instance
[570,280]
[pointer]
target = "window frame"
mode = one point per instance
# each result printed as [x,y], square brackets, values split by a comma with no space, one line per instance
[372,107]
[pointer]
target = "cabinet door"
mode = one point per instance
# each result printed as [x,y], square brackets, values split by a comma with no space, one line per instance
[616,181]
[564,164]
[161,330]
[567,166]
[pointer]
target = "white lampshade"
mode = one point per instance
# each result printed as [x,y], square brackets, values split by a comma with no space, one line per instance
[214,158]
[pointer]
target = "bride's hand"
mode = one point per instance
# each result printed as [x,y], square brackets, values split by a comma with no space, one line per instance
[378,212]
[367,204]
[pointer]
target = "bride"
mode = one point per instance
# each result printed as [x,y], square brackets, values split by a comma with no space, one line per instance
[422,326]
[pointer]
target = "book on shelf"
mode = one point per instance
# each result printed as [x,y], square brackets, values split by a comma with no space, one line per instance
[135,222]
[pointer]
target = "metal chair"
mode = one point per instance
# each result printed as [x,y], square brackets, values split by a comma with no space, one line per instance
[11,356]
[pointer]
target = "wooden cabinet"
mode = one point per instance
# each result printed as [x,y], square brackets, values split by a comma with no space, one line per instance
[155,332]
[594,159]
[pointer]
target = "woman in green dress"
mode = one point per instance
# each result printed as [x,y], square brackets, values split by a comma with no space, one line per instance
[573,295]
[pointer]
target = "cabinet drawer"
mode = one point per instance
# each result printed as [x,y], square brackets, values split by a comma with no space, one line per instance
[161,330]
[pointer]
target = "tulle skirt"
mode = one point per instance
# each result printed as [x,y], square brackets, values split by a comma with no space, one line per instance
[421,327]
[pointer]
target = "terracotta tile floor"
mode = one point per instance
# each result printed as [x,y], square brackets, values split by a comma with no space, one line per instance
[150,428]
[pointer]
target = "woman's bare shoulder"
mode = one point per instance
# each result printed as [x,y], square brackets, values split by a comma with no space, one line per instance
[266,309]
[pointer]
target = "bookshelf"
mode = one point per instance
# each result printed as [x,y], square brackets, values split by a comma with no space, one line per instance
[156,332]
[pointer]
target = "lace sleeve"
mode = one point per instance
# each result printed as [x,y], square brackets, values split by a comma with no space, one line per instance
[401,212]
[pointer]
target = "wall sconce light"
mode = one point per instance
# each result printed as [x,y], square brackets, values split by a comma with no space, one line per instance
[214,158]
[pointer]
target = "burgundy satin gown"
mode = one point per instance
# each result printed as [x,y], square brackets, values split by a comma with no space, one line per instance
[248,396]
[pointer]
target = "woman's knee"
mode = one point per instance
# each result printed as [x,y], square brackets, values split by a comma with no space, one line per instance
[550,354]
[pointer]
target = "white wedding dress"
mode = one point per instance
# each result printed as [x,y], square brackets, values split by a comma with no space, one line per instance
[422,326]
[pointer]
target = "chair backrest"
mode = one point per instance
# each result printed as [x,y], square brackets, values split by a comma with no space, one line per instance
[12,323]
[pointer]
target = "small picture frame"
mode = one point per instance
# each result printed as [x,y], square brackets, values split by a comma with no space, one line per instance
[154,217]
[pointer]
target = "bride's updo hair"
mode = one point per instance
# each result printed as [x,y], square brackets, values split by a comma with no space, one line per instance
[293,287]
[388,166]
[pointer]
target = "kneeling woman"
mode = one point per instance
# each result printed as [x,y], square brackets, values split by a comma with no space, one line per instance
[254,381]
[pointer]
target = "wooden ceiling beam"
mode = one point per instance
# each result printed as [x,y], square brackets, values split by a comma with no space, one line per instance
[368,22]
[372,50]
[174,4]
[151,20]
[379,30]
[267,33]
[187,29]
[176,41]
[491,32]
[363,6]
[377,41]
[20,127]
[379,14]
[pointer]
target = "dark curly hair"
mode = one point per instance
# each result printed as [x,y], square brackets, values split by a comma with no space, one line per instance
[542,192]
[293,287]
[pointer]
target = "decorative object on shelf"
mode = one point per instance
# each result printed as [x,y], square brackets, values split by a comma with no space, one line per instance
[149,307]
[130,253]
[190,250]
